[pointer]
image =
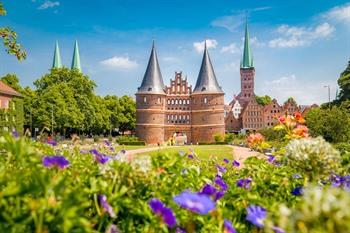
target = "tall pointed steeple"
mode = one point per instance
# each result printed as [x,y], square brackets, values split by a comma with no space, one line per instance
[76,58]
[152,82]
[57,57]
[247,60]
[206,81]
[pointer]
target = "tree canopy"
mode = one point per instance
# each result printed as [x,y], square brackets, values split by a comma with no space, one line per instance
[344,84]
[263,100]
[9,38]
[291,100]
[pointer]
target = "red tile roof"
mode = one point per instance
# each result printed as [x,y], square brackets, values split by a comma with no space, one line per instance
[5,89]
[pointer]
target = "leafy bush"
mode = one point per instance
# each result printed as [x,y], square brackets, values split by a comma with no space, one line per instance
[272,135]
[218,138]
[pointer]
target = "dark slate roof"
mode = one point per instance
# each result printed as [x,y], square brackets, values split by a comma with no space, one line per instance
[206,81]
[152,82]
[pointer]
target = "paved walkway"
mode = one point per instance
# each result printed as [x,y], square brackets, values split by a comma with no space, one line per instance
[239,153]
[242,153]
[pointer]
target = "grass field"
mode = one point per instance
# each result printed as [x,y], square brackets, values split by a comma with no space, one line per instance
[118,148]
[203,151]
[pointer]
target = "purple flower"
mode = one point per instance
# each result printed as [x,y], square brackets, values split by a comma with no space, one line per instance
[190,156]
[278,229]
[55,161]
[235,163]
[112,229]
[340,181]
[256,215]
[298,191]
[156,206]
[228,228]
[106,142]
[51,142]
[198,203]
[297,176]
[180,230]
[168,217]
[244,183]
[15,134]
[106,206]
[220,169]
[220,182]
[226,160]
[99,157]
[208,190]
[270,158]
[219,195]
[166,213]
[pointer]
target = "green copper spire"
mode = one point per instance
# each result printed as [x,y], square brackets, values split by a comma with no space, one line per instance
[57,58]
[247,61]
[76,57]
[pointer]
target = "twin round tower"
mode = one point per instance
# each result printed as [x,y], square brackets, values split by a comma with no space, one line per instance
[164,112]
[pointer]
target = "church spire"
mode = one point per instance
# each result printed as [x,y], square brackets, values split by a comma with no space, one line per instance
[76,58]
[206,81]
[57,57]
[247,61]
[152,82]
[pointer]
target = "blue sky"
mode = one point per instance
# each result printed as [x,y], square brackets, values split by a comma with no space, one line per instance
[298,47]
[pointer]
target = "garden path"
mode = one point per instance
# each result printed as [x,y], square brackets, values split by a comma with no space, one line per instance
[239,153]
[242,153]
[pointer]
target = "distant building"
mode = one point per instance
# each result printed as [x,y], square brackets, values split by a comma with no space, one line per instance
[11,112]
[244,112]
[176,112]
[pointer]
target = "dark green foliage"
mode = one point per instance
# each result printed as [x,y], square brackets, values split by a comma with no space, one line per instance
[344,84]
[291,100]
[263,100]
[333,125]
[272,135]
[129,140]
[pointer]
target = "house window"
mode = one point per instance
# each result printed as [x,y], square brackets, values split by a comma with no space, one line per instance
[205,100]
[172,102]
[168,101]
[176,101]
[145,99]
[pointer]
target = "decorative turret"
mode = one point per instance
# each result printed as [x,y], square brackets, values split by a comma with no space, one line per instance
[207,104]
[76,58]
[247,60]
[206,81]
[57,57]
[152,82]
[150,103]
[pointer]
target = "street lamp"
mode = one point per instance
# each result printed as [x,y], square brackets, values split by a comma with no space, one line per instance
[329,95]
[52,120]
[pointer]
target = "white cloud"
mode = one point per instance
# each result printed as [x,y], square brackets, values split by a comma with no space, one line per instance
[304,92]
[300,36]
[119,63]
[199,46]
[231,48]
[170,59]
[48,4]
[339,13]
[230,22]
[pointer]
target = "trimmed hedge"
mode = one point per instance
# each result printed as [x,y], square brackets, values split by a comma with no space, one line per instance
[132,143]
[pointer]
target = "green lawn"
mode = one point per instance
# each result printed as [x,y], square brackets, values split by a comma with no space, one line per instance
[118,148]
[203,151]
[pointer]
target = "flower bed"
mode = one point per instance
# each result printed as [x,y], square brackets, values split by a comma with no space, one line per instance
[46,189]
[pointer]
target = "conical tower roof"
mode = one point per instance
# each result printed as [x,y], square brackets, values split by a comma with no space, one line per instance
[152,82]
[76,58]
[247,60]
[57,57]
[206,81]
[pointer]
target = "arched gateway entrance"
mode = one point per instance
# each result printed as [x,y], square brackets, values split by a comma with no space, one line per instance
[178,138]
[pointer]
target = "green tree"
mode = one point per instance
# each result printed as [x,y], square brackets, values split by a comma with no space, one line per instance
[69,95]
[291,100]
[127,115]
[9,38]
[263,100]
[13,81]
[344,84]
[333,125]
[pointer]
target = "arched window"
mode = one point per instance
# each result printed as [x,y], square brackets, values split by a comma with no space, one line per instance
[172,102]
[176,101]
[145,99]
[180,101]
[168,101]
[205,100]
